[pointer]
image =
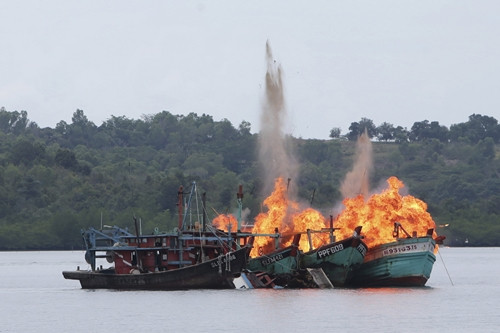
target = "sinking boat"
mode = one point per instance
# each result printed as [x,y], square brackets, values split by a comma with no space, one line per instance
[277,269]
[191,257]
[337,260]
[406,262]
[327,266]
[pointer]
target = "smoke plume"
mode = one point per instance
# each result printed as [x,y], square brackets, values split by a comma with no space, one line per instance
[357,181]
[274,149]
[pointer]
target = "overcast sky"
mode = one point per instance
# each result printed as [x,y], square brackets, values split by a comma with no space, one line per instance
[394,61]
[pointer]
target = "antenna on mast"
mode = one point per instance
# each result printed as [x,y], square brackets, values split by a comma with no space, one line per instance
[239,197]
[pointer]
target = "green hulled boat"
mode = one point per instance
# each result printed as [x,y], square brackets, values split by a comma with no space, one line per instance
[406,262]
[338,260]
[275,269]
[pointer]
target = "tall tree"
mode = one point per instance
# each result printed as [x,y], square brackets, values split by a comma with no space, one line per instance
[386,132]
[425,130]
[357,128]
[477,128]
[335,133]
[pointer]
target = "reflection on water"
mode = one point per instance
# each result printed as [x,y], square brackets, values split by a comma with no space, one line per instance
[35,297]
[395,290]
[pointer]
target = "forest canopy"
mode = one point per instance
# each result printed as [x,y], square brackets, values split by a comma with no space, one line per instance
[56,181]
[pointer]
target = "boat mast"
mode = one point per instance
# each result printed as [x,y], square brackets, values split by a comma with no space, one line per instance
[138,240]
[239,197]
[204,211]
[332,237]
[180,199]
[182,220]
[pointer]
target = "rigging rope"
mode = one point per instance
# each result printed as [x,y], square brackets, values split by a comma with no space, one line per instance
[446,269]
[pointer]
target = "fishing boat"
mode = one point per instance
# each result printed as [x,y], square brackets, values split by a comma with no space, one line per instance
[338,259]
[277,269]
[193,256]
[327,266]
[406,262]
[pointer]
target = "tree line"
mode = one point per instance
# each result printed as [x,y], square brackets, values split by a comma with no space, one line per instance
[477,128]
[55,181]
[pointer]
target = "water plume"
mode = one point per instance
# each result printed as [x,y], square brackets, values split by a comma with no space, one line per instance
[357,181]
[275,155]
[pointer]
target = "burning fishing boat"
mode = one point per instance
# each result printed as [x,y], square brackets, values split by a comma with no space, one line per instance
[338,260]
[279,259]
[279,268]
[327,266]
[394,257]
[275,266]
[406,262]
[191,257]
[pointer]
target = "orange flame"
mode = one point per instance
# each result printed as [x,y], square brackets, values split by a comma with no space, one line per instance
[223,221]
[309,219]
[377,216]
[379,213]
[285,216]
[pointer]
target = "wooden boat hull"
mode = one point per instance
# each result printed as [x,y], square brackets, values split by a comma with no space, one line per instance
[278,262]
[276,269]
[338,260]
[217,273]
[404,263]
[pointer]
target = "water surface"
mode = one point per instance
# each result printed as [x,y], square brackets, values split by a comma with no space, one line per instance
[34,297]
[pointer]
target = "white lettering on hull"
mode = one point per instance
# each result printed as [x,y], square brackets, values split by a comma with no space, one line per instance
[272,259]
[410,248]
[330,250]
[223,260]
[362,249]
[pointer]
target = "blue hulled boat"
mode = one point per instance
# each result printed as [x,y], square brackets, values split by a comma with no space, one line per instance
[406,262]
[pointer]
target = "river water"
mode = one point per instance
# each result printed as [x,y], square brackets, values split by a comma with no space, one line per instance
[462,295]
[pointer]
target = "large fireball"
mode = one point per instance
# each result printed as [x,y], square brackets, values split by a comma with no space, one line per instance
[378,214]
[283,215]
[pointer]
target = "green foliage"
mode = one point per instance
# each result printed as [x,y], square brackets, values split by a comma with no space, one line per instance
[54,182]
[477,128]
[425,130]
[335,133]
[26,152]
[357,128]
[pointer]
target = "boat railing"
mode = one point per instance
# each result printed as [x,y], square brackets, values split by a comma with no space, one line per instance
[94,238]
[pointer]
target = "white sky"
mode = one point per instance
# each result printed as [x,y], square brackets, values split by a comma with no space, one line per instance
[396,61]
